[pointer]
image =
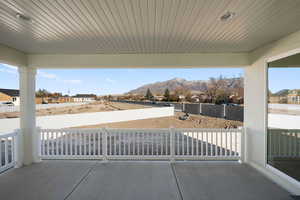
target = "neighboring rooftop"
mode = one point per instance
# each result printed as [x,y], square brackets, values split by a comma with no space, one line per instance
[85,96]
[10,92]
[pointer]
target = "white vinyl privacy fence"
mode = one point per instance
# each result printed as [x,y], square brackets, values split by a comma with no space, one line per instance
[131,144]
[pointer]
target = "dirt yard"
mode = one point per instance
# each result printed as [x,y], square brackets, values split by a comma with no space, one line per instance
[92,107]
[284,111]
[194,121]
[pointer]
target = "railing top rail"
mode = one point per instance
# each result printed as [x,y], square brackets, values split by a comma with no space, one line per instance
[5,135]
[146,129]
[283,129]
[210,129]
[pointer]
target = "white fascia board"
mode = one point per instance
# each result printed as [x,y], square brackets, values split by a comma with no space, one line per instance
[137,60]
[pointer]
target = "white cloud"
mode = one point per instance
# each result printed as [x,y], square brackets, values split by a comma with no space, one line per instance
[110,80]
[14,70]
[75,81]
[47,75]
[131,70]
[8,69]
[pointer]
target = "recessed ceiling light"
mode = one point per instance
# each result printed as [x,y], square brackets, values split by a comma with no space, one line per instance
[227,16]
[23,17]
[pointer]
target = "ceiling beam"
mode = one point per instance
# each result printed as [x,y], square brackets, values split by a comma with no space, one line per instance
[12,56]
[138,60]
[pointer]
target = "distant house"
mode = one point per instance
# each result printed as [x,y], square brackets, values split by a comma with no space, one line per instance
[293,97]
[60,99]
[181,97]
[195,98]
[10,95]
[277,99]
[158,98]
[84,98]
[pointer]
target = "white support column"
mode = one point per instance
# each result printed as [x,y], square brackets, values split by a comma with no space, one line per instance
[27,115]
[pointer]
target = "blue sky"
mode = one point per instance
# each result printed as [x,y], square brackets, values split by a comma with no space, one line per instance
[284,78]
[108,81]
[116,81]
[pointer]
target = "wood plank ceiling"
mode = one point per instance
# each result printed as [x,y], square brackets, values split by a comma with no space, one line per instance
[145,26]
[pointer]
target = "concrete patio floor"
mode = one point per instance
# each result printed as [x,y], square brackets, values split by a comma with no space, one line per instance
[93,180]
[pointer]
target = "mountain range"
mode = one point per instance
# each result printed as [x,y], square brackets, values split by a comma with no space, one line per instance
[195,86]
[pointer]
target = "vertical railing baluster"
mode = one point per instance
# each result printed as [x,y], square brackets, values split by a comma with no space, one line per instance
[230,134]
[89,144]
[61,143]
[187,143]
[0,152]
[5,151]
[71,133]
[211,143]
[182,141]
[104,148]
[76,142]
[120,142]
[178,143]
[236,144]
[98,142]
[221,141]
[226,143]
[43,143]
[115,143]
[48,142]
[201,144]
[138,142]
[161,143]
[143,143]
[56,143]
[152,143]
[172,142]
[206,142]
[80,143]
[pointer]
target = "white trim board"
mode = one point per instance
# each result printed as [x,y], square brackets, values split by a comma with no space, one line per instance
[278,177]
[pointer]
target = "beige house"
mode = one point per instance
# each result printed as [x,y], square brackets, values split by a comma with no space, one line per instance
[10,95]
[84,98]
[294,97]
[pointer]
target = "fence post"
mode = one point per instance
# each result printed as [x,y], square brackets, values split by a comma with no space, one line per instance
[224,112]
[200,109]
[172,147]
[183,107]
[104,145]
[18,149]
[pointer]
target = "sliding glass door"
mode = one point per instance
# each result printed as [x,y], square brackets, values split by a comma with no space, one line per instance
[283,139]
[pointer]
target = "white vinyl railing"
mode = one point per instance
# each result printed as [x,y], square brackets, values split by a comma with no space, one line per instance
[8,150]
[283,143]
[163,144]
[71,143]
